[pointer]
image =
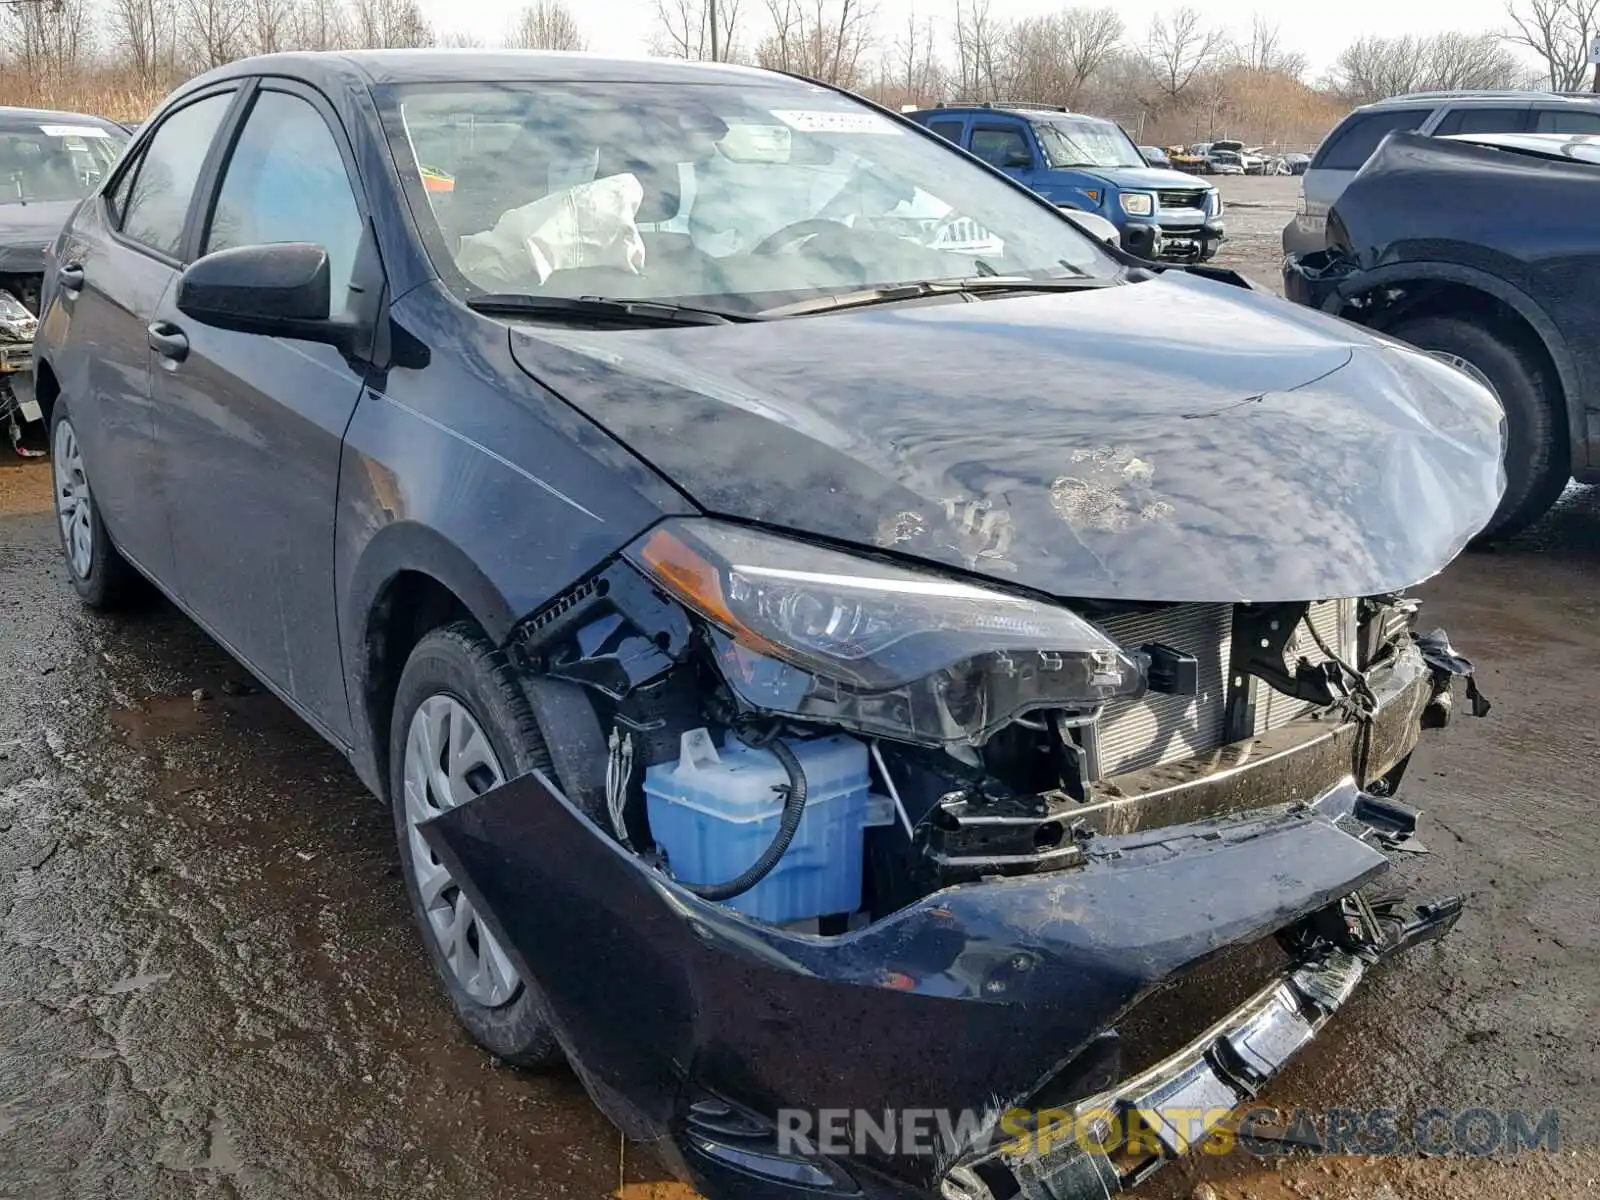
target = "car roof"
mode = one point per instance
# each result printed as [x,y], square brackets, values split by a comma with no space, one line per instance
[1481,99]
[31,116]
[1013,110]
[382,67]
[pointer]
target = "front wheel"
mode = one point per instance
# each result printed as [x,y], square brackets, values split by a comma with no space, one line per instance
[100,575]
[1537,462]
[461,726]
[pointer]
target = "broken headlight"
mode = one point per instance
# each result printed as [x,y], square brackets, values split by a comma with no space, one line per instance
[17,324]
[875,647]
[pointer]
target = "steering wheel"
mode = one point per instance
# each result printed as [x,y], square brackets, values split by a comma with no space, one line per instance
[788,239]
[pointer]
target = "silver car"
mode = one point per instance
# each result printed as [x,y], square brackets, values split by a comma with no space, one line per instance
[1347,148]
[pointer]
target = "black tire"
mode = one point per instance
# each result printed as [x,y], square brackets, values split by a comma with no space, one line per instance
[459,662]
[1538,455]
[110,583]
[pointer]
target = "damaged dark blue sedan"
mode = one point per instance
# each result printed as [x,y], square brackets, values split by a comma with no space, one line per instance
[835,637]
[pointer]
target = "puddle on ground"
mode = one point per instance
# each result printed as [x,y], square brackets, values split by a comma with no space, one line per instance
[230,704]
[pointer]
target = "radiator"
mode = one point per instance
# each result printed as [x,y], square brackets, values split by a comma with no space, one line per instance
[1160,728]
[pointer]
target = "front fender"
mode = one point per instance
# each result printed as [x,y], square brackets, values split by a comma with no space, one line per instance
[1364,282]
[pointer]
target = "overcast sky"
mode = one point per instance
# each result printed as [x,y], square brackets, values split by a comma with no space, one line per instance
[1318,28]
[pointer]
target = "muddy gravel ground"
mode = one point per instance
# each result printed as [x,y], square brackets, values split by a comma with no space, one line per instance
[209,985]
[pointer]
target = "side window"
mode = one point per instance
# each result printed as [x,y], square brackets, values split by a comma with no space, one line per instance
[1353,143]
[949,130]
[1483,120]
[1001,146]
[1567,120]
[163,185]
[286,182]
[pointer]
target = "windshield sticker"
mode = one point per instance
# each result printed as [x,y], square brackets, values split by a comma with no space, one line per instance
[66,131]
[833,121]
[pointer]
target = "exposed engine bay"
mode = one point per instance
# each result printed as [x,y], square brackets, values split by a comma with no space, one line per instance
[774,743]
[19,323]
[1132,851]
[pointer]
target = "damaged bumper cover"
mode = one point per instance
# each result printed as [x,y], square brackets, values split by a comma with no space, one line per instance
[1182,1099]
[696,1028]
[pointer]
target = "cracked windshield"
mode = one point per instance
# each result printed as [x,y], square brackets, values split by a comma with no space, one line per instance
[739,197]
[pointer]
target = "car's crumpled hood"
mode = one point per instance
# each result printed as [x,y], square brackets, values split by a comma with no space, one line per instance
[1173,440]
[26,232]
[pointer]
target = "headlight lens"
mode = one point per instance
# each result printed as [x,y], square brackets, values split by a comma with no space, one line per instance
[878,648]
[1138,204]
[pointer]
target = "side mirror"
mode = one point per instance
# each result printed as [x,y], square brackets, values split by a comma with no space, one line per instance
[1017,158]
[280,290]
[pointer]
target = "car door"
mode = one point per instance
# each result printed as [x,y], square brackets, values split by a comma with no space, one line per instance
[254,425]
[1005,143]
[113,269]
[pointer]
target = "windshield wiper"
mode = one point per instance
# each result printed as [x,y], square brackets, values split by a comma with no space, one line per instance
[602,308]
[933,287]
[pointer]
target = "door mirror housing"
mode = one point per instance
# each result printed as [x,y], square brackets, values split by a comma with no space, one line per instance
[280,290]
[1018,158]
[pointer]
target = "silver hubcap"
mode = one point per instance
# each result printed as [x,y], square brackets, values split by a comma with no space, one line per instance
[448,761]
[74,509]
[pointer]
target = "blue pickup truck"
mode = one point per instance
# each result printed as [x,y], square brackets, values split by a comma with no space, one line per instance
[1091,164]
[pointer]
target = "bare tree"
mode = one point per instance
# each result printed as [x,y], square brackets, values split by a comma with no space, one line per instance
[1560,32]
[1179,48]
[383,24]
[46,42]
[270,25]
[211,32]
[1374,68]
[979,37]
[319,25]
[822,39]
[1089,37]
[702,30]
[1266,52]
[912,69]
[142,34]
[546,25]
[1214,91]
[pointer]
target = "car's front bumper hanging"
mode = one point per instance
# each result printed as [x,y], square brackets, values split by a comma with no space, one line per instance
[671,1008]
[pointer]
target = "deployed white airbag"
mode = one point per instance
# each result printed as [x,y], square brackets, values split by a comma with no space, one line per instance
[588,225]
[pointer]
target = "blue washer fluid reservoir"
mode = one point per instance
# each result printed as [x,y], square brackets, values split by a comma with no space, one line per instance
[716,809]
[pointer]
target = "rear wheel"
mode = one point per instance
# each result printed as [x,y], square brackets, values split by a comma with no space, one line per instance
[461,726]
[100,575]
[1537,459]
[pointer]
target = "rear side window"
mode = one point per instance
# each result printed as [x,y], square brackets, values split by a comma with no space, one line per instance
[164,184]
[949,130]
[1354,141]
[1483,120]
[1001,146]
[1566,120]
